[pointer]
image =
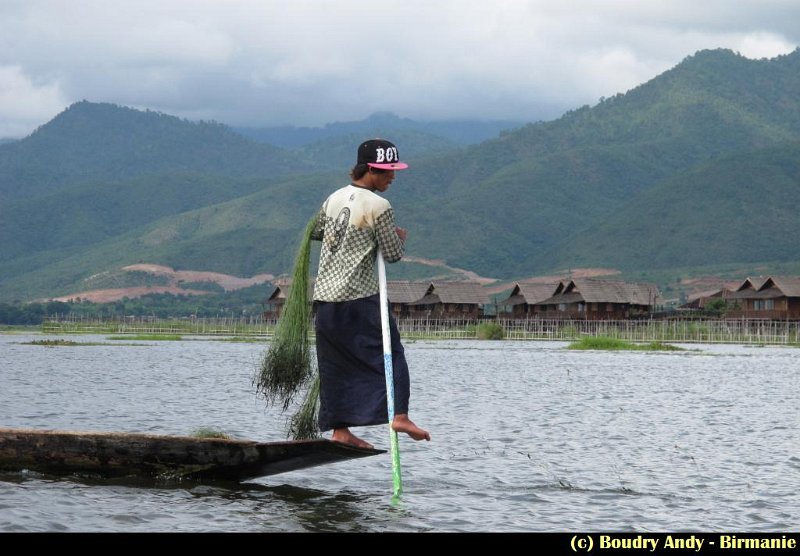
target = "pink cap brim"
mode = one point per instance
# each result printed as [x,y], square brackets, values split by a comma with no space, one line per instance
[390,166]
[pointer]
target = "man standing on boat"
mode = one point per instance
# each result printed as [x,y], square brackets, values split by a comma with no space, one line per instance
[353,224]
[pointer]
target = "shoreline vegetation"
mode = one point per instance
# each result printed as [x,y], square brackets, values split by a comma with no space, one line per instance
[585,343]
[646,331]
[615,344]
[60,342]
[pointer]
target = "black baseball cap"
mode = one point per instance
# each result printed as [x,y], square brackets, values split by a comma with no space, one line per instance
[378,153]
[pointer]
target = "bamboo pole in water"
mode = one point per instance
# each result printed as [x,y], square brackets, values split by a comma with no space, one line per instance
[388,369]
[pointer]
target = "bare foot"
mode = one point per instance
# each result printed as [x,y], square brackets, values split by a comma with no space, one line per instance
[346,437]
[402,423]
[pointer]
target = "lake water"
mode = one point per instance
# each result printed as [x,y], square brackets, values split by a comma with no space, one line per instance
[527,436]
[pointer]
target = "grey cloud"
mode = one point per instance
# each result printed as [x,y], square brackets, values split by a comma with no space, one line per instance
[309,62]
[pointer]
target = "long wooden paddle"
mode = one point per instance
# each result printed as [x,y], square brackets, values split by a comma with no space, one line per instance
[389,372]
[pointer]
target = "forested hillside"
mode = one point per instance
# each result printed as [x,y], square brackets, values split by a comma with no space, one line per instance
[695,168]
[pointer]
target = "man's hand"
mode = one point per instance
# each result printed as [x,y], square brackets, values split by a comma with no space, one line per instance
[402,232]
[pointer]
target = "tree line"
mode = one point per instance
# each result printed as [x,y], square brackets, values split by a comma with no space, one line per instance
[244,302]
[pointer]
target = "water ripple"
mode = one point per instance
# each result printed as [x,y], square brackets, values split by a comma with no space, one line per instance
[527,436]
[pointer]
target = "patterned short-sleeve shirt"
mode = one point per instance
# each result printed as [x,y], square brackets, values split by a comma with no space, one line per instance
[352,224]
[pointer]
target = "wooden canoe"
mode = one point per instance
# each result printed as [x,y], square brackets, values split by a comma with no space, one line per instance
[127,454]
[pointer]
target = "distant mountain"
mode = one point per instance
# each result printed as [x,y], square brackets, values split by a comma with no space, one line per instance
[339,152]
[736,209]
[83,215]
[522,198]
[694,169]
[91,142]
[380,124]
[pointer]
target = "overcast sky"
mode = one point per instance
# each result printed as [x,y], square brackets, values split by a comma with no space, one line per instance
[311,62]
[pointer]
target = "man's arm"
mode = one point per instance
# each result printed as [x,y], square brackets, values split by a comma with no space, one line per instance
[391,243]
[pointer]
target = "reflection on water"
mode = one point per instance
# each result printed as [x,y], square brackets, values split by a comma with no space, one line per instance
[526,437]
